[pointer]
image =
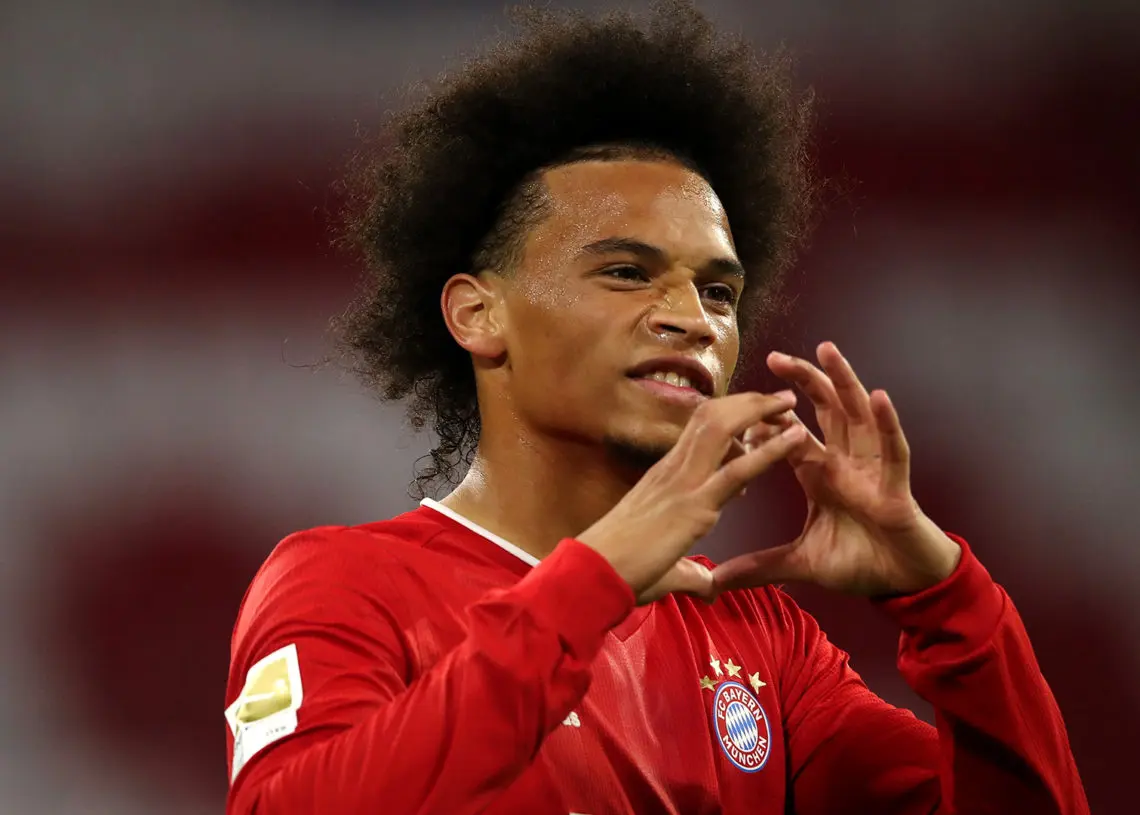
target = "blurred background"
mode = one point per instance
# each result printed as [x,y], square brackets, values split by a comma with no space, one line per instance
[166,189]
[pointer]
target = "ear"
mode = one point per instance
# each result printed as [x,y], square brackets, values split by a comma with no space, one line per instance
[472,309]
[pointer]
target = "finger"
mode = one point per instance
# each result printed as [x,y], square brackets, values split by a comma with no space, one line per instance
[755,569]
[893,446]
[686,576]
[716,425]
[816,385]
[736,447]
[755,436]
[766,429]
[728,480]
[862,436]
[852,395]
[811,450]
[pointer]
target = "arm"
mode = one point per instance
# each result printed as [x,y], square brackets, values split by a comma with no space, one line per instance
[365,739]
[357,735]
[1000,744]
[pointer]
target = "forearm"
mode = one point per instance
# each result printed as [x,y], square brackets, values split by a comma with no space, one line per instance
[1001,738]
[471,724]
[472,720]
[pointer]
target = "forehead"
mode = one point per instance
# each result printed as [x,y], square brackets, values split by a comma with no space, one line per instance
[658,202]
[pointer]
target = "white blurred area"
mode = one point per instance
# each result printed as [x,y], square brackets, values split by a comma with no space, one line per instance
[165,193]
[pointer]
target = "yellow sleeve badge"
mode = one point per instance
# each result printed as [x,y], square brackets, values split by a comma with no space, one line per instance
[266,708]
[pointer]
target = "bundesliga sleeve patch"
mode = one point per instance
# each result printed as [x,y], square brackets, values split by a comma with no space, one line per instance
[266,708]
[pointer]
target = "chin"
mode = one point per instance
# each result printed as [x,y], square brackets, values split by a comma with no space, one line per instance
[641,450]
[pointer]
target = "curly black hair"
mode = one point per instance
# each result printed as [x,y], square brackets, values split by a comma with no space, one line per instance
[454,182]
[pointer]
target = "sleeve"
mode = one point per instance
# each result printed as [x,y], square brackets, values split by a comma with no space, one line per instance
[999,746]
[324,719]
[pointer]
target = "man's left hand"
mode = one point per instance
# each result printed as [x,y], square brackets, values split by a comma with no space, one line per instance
[864,532]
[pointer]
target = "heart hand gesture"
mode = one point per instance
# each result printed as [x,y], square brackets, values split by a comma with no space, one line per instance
[864,532]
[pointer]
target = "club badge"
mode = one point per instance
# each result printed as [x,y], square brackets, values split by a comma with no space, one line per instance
[740,723]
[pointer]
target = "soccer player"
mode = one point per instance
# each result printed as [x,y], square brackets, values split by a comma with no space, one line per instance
[568,241]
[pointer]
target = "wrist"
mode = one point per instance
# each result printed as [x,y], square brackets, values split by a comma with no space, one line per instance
[931,556]
[952,618]
[601,542]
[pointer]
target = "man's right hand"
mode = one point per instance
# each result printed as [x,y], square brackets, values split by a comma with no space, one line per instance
[679,499]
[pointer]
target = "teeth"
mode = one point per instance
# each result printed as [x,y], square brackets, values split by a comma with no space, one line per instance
[670,378]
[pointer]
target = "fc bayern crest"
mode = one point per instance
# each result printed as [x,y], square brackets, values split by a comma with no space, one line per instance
[741,727]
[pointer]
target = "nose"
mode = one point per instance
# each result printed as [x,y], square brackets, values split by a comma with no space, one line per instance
[681,315]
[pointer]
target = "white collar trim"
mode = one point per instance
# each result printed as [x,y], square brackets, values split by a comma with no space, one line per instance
[502,543]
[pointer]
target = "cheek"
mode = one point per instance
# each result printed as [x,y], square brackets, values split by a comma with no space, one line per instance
[559,356]
[729,344]
[558,344]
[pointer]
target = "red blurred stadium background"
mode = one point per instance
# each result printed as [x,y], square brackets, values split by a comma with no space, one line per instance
[167,189]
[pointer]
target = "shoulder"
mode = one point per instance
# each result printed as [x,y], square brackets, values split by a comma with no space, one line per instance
[350,552]
[326,567]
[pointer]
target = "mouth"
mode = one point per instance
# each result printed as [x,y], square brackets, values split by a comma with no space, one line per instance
[677,376]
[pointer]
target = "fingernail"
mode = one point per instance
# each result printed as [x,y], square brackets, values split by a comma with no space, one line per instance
[786,396]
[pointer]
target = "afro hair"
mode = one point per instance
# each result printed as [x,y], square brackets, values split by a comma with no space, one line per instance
[453,182]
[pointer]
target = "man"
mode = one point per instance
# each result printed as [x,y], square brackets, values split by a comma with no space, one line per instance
[567,241]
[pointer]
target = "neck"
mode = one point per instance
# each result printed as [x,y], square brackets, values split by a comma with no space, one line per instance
[535,492]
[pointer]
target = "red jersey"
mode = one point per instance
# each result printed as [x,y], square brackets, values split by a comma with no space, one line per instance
[423,665]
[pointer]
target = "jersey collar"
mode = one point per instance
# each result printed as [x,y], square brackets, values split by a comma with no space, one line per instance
[502,543]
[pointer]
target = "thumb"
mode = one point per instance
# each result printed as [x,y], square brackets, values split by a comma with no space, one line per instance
[686,576]
[756,569]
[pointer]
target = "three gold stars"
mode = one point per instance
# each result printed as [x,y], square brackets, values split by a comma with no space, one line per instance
[734,672]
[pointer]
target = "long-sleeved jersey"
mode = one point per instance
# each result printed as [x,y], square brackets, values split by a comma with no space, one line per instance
[423,665]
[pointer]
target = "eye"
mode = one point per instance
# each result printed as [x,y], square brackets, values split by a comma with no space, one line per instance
[721,293]
[627,271]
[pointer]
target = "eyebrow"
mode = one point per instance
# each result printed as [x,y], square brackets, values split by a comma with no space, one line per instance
[724,266]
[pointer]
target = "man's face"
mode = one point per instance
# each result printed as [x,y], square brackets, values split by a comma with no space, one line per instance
[621,317]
